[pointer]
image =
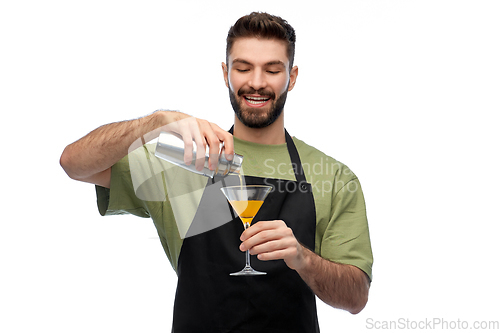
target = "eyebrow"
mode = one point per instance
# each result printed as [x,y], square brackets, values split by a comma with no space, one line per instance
[270,63]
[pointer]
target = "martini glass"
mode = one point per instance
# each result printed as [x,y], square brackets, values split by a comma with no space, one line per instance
[246,201]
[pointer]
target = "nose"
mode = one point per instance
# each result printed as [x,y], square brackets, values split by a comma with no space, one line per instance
[257,80]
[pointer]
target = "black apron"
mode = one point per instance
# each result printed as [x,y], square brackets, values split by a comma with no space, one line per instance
[208,299]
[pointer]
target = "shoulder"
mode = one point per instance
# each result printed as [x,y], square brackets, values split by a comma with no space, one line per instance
[317,164]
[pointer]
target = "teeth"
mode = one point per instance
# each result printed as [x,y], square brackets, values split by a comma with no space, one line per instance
[256,100]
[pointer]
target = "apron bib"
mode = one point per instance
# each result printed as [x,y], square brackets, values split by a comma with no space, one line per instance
[208,299]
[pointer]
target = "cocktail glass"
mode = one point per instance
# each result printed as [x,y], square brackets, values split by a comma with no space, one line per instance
[246,200]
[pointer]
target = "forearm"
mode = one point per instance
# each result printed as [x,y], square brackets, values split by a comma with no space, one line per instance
[106,145]
[340,286]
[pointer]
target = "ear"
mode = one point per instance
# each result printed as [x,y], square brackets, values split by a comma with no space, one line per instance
[293,77]
[224,72]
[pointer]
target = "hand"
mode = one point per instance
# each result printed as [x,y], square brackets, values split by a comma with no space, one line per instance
[271,240]
[341,286]
[203,133]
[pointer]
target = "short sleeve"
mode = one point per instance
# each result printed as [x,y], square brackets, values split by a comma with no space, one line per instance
[120,198]
[346,239]
[102,199]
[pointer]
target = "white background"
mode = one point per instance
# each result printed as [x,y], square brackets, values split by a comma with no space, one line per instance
[403,92]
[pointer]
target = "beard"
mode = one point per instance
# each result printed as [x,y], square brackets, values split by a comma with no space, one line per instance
[256,118]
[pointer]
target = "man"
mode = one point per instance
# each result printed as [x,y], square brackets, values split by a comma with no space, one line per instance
[312,236]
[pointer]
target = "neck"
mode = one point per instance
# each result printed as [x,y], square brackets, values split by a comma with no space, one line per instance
[273,134]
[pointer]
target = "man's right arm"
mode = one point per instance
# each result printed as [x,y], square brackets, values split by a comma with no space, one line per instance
[90,159]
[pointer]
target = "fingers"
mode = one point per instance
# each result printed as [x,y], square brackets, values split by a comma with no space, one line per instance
[269,237]
[262,226]
[276,254]
[212,140]
[187,134]
[227,139]
[202,133]
[187,127]
[273,240]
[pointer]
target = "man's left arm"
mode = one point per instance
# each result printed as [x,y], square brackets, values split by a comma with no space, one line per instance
[341,286]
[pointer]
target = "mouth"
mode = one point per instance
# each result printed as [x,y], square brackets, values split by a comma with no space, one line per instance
[256,101]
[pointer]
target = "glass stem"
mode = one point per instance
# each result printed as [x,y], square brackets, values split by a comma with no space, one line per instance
[247,265]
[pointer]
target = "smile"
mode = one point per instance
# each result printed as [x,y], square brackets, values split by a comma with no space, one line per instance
[256,101]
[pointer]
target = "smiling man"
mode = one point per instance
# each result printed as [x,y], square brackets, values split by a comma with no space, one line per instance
[312,240]
[261,75]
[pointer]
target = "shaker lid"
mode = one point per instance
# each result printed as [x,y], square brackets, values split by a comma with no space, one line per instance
[236,163]
[226,166]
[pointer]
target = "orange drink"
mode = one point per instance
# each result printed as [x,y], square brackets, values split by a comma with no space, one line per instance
[246,209]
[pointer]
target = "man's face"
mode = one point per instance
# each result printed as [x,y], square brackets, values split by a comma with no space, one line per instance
[258,78]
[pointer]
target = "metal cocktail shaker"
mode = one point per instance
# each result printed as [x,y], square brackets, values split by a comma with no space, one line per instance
[170,147]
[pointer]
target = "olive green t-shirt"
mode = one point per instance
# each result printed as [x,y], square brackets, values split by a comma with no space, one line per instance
[143,185]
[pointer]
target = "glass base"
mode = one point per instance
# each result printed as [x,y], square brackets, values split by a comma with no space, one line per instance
[248,271]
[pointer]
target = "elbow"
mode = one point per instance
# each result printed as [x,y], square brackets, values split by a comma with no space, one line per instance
[354,305]
[357,308]
[361,299]
[65,162]
[360,302]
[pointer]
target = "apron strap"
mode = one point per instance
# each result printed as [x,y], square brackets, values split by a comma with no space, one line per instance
[294,156]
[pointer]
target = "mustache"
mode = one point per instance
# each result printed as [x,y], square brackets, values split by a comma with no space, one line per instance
[261,92]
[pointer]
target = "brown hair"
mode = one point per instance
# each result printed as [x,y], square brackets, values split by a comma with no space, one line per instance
[262,25]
